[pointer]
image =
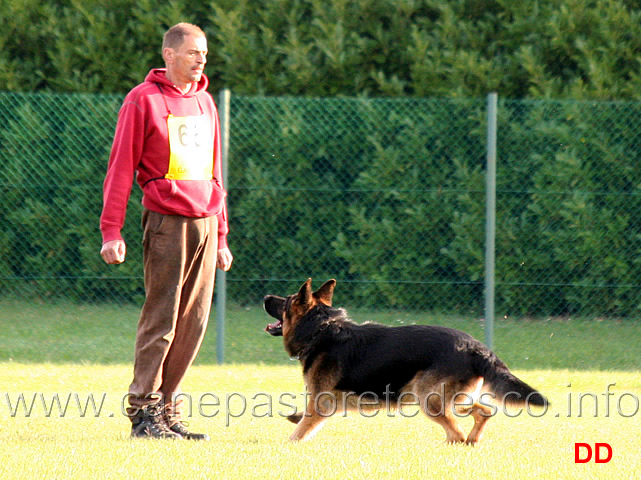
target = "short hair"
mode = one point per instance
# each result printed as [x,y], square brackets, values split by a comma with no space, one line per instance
[174,37]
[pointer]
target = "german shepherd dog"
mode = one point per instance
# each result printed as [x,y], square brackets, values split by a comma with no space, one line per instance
[347,366]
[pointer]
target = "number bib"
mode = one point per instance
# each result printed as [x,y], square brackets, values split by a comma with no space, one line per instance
[191,148]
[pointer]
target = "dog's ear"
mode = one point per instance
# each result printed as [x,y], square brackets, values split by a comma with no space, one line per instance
[326,292]
[305,293]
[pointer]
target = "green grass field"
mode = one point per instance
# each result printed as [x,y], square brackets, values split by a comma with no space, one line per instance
[75,353]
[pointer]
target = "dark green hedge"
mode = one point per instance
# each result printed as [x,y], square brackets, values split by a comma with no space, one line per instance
[462,48]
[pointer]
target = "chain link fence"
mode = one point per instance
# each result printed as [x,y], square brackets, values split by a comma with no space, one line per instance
[385,195]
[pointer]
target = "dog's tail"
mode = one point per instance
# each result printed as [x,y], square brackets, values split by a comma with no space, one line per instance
[507,388]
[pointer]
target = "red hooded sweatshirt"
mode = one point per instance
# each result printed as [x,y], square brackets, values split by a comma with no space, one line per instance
[141,149]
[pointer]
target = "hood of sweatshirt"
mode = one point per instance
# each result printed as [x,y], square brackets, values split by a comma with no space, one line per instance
[159,76]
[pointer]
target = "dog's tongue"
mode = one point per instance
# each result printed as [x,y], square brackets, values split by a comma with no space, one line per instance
[273,326]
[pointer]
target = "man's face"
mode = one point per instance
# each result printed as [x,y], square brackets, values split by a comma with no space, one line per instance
[187,62]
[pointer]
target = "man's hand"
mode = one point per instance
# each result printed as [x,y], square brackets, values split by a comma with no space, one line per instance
[225,258]
[113,252]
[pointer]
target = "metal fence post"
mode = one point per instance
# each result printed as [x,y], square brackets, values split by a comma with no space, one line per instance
[221,276]
[490,218]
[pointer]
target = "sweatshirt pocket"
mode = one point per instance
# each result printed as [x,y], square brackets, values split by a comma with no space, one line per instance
[192,198]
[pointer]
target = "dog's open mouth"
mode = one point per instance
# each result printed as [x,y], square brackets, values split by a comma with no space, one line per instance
[275,329]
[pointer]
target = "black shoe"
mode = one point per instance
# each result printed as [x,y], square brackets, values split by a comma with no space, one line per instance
[150,423]
[181,430]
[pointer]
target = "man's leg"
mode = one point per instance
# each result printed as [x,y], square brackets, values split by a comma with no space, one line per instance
[195,306]
[165,249]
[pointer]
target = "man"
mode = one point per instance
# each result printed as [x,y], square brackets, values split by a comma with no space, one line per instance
[168,137]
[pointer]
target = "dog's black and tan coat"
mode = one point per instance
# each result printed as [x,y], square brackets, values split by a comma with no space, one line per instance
[373,366]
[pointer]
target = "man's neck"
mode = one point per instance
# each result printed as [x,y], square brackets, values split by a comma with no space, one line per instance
[183,87]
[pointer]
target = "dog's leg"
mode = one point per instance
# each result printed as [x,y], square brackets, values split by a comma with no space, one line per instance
[441,413]
[453,431]
[481,414]
[310,422]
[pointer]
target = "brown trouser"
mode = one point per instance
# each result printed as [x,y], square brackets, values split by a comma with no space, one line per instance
[179,266]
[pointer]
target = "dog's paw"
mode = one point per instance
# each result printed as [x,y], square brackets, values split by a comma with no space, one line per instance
[295,418]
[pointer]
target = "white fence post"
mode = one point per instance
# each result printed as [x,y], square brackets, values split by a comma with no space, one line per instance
[221,276]
[490,218]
